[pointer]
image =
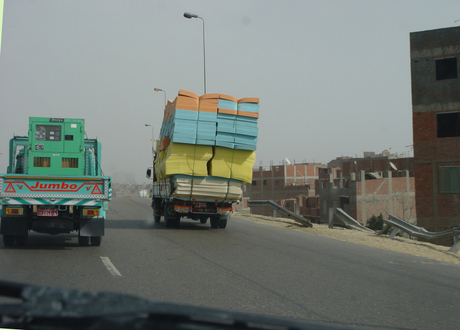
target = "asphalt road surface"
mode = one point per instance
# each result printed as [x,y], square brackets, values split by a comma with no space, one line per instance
[246,267]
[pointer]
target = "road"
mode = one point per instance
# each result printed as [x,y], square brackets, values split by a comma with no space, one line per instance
[246,267]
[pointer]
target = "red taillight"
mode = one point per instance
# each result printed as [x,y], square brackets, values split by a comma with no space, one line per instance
[90,212]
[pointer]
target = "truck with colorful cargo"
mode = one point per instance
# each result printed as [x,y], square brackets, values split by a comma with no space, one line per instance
[54,183]
[204,155]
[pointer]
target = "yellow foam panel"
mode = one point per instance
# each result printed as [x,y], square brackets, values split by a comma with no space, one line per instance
[232,164]
[185,159]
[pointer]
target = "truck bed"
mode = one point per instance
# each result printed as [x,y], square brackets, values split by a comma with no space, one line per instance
[205,189]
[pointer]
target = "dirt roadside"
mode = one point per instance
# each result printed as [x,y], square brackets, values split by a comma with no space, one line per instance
[399,244]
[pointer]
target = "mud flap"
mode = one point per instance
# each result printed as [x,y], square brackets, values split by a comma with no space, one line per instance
[13,226]
[92,227]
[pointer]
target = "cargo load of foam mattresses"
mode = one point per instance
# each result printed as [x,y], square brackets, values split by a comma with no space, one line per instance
[207,144]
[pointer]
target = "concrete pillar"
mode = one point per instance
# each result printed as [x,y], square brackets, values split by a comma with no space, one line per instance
[390,193]
[363,182]
[330,215]
[297,208]
[363,201]
[406,173]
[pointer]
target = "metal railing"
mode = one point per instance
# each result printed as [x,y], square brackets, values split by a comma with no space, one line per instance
[280,209]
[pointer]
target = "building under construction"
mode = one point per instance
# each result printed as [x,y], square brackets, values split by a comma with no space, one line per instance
[436,126]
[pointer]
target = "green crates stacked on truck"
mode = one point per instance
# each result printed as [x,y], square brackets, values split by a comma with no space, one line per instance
[56,146]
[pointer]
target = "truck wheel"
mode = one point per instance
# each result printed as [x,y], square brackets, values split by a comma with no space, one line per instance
[203,220]
[8,240]
[172,218]
[176,222]
[96,240]
[21,240]
[223,222]
[83,240]
[215,222]
[156,210]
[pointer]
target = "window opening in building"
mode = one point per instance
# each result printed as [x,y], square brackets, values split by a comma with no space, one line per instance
[448,124]
[446,68]
[449,179]
[42,161]
[265,182]
[254,182]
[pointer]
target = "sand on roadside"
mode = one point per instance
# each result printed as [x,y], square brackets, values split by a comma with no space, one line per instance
[398,244]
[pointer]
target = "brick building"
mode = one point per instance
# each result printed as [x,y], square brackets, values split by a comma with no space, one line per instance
[364,187]
[436,126]
[289,185]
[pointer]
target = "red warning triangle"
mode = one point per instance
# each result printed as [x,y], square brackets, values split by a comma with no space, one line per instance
[96,190]
[10,188]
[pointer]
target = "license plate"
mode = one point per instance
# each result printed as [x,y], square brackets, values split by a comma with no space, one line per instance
[47,212]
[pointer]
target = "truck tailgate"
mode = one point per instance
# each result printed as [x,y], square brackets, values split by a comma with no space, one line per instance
[71,190]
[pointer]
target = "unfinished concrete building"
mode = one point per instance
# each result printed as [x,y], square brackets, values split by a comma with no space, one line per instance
[436,126]
[369,186]
[289,185]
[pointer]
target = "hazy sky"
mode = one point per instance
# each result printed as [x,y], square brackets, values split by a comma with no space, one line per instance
[333,77]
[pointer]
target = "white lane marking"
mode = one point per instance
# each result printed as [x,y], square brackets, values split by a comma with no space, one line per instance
[110,267]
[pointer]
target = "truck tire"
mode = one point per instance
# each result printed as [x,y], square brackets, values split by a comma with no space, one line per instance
[215,220]
[8,240]
[83,240]
[172,218]
[156,210]
[203,219]
[176,222]
[21,240]
[173,222]
[96,240]
[223,221]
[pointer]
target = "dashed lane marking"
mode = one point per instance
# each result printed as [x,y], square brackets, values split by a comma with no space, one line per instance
[110,266]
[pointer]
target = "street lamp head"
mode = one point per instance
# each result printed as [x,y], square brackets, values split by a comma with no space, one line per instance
[190,15]
[147,125]
[158,90]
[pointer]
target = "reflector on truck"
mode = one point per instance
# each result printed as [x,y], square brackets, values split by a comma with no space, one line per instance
[14,211]
[224,210]
[90,212]
[182,208]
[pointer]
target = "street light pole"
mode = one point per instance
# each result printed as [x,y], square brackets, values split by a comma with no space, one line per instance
[153,149]
[189,16]
[160,90]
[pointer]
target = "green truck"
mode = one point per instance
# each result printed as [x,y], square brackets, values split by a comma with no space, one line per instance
[54,183]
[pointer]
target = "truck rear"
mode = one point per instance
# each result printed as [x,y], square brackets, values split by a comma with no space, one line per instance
[204,155]
[54,183]
[172,199]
